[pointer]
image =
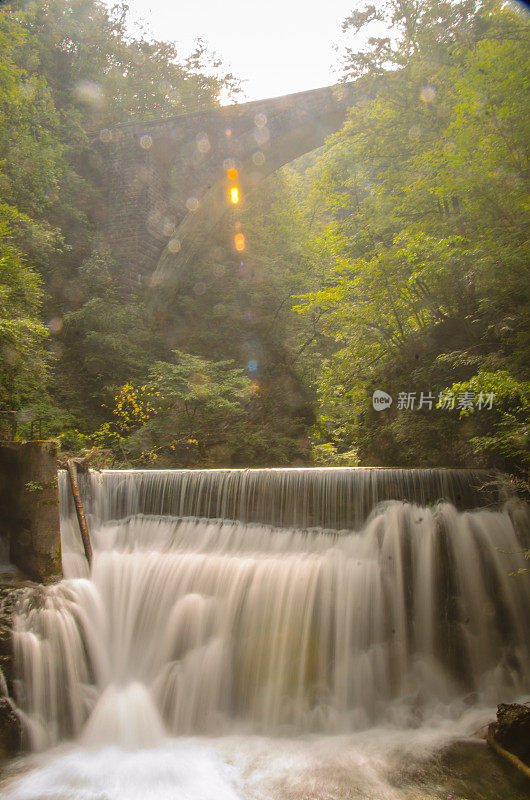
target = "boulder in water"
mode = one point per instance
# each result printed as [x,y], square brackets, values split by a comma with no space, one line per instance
[512,730]
[10,730]
[10,597]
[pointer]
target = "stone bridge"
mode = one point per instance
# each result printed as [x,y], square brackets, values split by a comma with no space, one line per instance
[165,182]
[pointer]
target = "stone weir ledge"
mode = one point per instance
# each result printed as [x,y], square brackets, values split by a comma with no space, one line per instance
[30,554]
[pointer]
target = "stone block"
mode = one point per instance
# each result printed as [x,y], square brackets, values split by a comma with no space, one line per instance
[29,500]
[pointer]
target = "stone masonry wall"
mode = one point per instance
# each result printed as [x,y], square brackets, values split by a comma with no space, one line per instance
[149,171]
[29,504]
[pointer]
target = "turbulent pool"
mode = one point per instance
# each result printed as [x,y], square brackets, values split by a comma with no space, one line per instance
[305,634]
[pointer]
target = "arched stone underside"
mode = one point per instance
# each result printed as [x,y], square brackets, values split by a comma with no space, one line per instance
[153,173]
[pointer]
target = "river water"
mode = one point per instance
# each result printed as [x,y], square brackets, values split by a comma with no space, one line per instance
[305,637]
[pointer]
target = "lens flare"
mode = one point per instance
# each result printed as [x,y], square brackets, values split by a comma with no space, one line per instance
[174,245]
[427,94]
[262,136]
[90,93]
[203,143]
[239,241]
[232,174]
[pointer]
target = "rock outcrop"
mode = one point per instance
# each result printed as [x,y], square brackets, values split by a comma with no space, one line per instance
[10,730]
[512,730]
[11,733]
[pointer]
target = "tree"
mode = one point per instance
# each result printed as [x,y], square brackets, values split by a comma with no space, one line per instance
[424,222]
[66,70]
[500,411]
[23,362]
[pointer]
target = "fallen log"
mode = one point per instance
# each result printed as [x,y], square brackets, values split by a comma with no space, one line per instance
[514,761]
[82,462]
[72,466]
[509,738]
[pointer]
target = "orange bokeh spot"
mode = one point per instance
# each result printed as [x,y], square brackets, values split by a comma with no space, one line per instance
[232,174]
[239,241]
[234,195]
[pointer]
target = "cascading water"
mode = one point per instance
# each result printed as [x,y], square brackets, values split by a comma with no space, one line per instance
[264,613]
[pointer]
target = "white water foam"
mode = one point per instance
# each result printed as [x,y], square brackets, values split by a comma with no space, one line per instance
[363,766]
[280,640]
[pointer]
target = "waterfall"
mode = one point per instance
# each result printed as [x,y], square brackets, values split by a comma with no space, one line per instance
[275,602]
[333,497]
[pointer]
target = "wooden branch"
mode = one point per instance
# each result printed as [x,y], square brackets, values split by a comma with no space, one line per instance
[72,466]
[80,461]
[510,757]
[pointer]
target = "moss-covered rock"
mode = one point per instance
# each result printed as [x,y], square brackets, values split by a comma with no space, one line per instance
[9,599]
[10,729]
[512,730]
[11,732]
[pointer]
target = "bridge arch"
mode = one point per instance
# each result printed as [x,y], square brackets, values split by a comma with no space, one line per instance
[164,181]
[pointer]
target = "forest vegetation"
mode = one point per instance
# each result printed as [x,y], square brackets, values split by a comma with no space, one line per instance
[394,258]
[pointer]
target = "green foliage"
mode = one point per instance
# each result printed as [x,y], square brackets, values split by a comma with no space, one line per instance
[192,412]
[33,486]
[326,455]
[196,404]
[504,430]
[115,341]
[424,220]
[68,69]
[22,357]
[394,258]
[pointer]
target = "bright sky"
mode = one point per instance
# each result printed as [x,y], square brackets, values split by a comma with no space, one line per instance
[274,46]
